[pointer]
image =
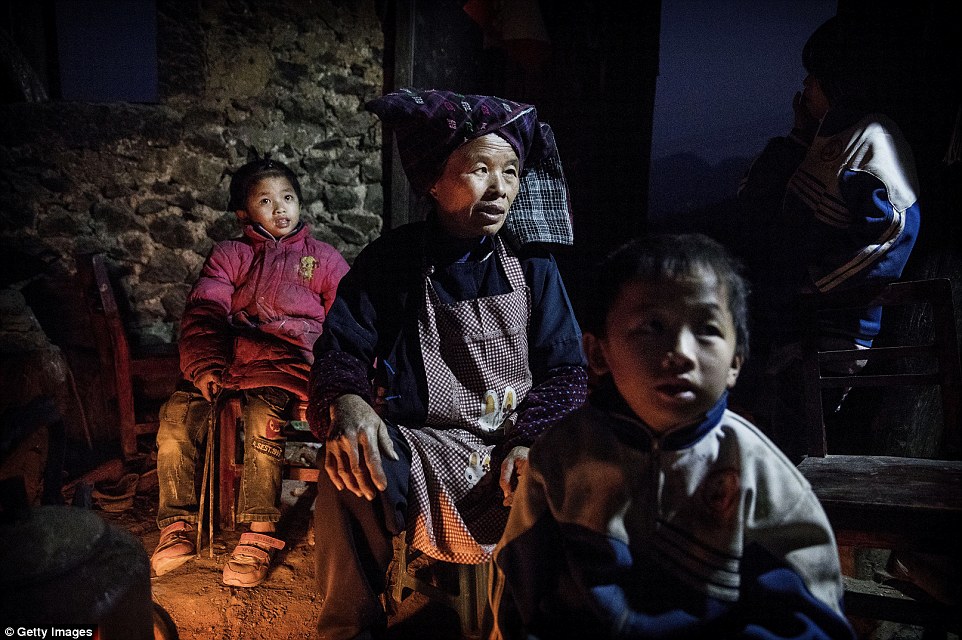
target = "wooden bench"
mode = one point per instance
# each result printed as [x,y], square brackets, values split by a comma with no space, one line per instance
[890,502]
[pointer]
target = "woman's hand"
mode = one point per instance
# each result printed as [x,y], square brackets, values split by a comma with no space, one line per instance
[512,468]
[353,459]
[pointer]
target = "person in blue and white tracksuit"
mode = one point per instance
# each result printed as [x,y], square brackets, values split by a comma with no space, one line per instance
[831,206]
[653,511]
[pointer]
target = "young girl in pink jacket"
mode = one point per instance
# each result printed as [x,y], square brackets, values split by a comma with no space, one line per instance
[249,326]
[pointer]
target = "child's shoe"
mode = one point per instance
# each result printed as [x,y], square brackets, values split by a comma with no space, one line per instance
[250,560]
[176,547]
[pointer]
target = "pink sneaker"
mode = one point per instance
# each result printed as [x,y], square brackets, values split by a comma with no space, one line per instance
[176,547]
[250,560]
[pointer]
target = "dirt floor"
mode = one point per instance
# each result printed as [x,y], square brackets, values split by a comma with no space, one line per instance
[284,607]
[199,606]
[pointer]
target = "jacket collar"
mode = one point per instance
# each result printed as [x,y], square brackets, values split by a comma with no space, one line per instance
[442,249]
[633,430]
[259,234]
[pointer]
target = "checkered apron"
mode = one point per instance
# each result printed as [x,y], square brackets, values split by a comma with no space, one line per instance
[470,349]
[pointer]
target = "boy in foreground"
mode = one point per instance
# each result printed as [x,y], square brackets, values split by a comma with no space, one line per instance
[653,512]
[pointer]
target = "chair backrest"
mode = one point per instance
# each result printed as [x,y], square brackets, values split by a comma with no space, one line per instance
[115,325]
[142,378]
[941,354]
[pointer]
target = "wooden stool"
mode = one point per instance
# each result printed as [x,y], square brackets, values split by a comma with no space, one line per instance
[230,457]
[470,601]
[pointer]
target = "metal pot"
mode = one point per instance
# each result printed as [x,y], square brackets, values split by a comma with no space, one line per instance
[64,566]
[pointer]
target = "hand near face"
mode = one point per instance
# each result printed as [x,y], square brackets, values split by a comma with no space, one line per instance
[806,124]
[353,460]
[512,469]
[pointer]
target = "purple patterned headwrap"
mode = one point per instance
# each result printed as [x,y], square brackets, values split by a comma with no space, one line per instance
[430,124]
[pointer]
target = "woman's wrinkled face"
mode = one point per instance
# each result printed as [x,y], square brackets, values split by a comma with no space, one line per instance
[480,181]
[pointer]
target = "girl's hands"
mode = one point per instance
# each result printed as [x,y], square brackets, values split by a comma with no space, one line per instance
[209,384]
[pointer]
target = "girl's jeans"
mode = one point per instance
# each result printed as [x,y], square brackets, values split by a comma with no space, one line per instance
[184,420]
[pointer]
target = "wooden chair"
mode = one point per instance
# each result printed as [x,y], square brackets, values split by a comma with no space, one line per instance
[143,378]
[230,450]
[885,502]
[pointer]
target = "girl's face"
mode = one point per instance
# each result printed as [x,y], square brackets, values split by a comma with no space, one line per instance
[480,181]
[272,203]
[669,347]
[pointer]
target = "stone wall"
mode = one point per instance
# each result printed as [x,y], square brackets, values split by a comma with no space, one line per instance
[147,183]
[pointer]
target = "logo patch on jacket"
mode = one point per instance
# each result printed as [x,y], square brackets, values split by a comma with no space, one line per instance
[308,264]
[720,496]
[831,150]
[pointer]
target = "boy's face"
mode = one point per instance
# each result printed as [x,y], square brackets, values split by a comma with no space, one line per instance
[670,348]
[272,203]
[814,98]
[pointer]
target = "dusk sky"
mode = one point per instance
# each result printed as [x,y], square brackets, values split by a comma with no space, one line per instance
[728,71]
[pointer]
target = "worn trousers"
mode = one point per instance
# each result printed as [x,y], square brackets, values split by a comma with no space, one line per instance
[354,547]
[184,421]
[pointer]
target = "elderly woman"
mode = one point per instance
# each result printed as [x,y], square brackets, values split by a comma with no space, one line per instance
[463,324]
